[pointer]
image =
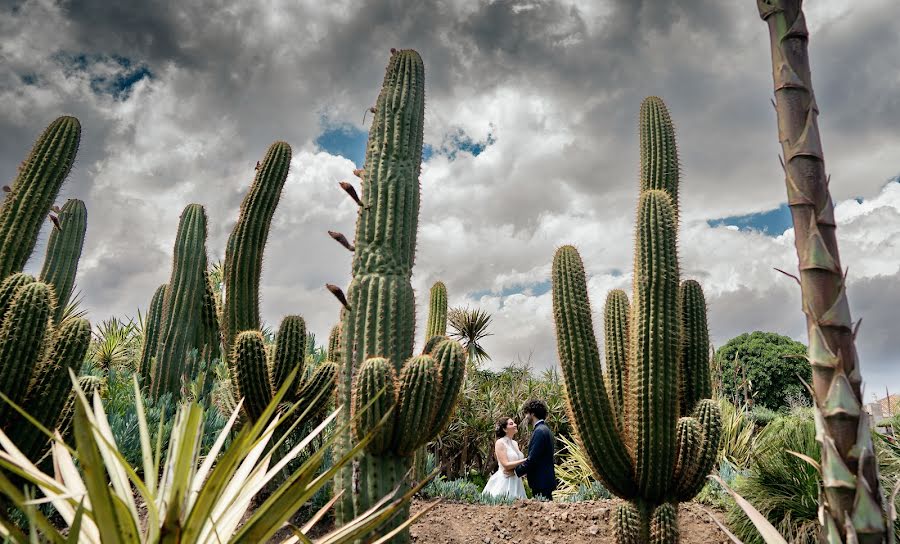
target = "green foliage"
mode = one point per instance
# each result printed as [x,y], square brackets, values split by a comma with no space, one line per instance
[783,487]
[764,367]
[762,416]
[116,344]
[461,490]
[470,327]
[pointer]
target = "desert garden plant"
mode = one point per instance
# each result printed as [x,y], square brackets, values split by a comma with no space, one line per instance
[648,425]
[195,499]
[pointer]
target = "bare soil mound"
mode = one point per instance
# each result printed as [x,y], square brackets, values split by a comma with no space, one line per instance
[533,522]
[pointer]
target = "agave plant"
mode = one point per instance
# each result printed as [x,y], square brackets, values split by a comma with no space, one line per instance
[197,499]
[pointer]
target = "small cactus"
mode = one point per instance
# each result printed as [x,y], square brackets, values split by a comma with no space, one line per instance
[63,252]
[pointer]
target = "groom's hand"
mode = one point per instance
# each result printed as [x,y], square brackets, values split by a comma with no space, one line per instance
[509,471]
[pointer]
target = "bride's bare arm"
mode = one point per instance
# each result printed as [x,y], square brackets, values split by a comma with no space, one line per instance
[502,459]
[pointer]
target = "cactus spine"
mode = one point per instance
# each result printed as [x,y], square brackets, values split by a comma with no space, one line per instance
[63,252]
[244,252]
[379,321]
[852,506]
[40,178]
[179,327]
[648,426]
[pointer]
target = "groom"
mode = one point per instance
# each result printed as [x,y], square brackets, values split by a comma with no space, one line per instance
[539,465]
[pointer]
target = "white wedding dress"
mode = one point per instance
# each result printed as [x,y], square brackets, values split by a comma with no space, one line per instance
[501,485]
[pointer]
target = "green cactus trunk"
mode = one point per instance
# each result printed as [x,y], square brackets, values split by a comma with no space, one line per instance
[63,252]
[244,252]
[151,335]
[250,371]
[32,193]
[290,353]
[379,319]
[334,344]
[22,334]
[437,312]
[852,503]
[51,386]
[648,427]
[182,314]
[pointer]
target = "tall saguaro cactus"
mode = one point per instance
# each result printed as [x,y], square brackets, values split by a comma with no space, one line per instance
[378,320]
[647,426]
[853,507]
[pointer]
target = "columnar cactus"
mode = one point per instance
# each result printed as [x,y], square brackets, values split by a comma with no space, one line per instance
[244,252]
[63,252]
[334,344]
[437,311]
[378,321]
[182,314]
[32,193]
[151,335]
[257,381]
[648,426]
[852,505]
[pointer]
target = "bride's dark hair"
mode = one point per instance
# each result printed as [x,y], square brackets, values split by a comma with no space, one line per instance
[500,429]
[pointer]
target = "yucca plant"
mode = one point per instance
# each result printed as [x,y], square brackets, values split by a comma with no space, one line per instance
[574,473]
[470,327]
[100,497]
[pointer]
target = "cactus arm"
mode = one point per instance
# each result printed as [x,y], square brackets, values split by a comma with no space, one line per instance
[451,361]
[334,344]
[183,303]
[664,524]
[373,376]
[22,334]
[615,323]
[63,252]
[418,389]
[660,168]
[244,251]
[290,352]
[437,311]
[40,177]
[695,377]
[251,372]
[628,524]
[318,391]
[51,385]
[655,343]
[151,335]
[832,347]
[690,478]
[210,331]
[8,289]
[579,357]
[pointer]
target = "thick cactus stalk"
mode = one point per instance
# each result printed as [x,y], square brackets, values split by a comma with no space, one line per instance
[179,330]
[249,366]
[244,252]
[437,311]
[22,334]
[151,335]
[378,321]
[290,353]
[334,344]
[63,252]
[853,506]
[51,385]
[648,427]
[32,193]
[9,288]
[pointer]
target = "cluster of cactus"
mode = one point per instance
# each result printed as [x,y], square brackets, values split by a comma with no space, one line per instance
[648,426]
[185,324]
[379,315]
[38,348]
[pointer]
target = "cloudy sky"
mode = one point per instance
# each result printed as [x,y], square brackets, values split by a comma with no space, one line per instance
[531,134]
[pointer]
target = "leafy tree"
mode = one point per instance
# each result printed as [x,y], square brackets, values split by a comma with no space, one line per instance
[470,328]
[763,368]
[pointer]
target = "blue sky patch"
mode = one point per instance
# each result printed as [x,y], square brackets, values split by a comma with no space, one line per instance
[458,141]
[533,289]
[118,84]
[346,141]
[771,222]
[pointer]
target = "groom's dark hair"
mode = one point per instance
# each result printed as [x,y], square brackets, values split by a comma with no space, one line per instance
[536,407]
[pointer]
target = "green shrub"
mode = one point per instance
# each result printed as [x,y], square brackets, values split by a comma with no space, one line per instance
[589,492]
[783,487]
[764,370]
[460,490]
[762,416]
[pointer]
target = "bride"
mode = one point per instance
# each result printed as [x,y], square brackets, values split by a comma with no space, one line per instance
[509,456]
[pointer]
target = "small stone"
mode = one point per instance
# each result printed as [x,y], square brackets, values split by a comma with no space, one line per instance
[593,529]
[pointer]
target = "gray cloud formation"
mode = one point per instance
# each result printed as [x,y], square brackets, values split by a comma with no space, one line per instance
[556,83]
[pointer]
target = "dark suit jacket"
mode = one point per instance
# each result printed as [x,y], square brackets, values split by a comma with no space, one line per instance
[539,465]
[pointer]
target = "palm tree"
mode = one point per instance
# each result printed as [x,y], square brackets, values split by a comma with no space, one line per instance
[470,327]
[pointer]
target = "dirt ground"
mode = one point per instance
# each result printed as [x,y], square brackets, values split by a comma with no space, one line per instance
[532,522]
